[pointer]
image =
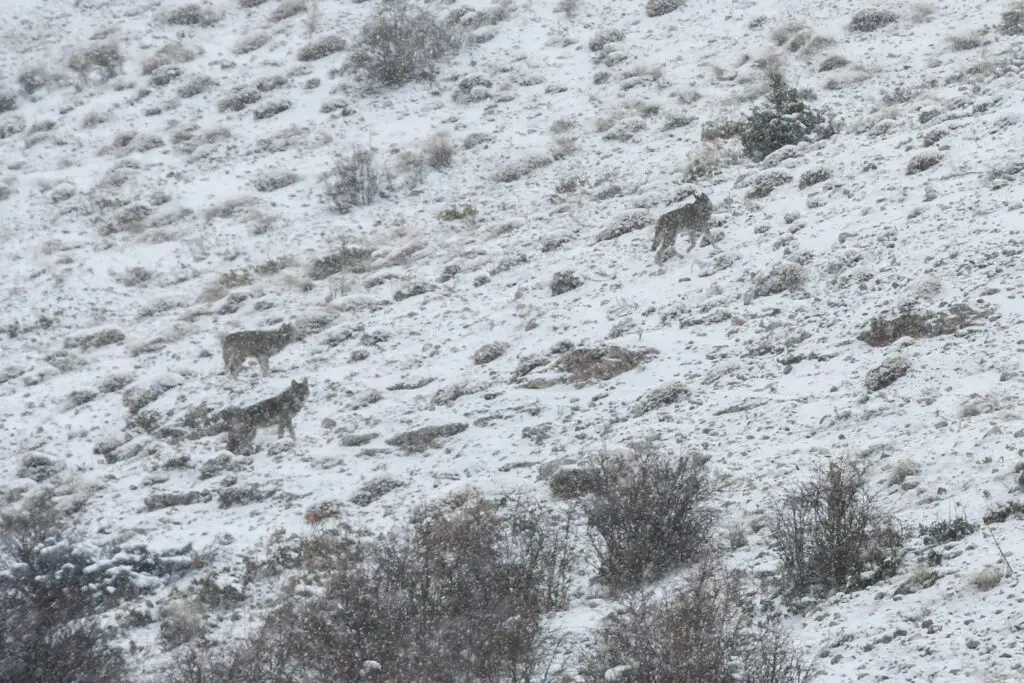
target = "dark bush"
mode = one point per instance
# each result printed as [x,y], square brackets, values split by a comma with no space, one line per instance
[947,530]
[786,119]
[402,42]
[830,535]
[47,634]
[33,79]
[458,597]
[650,514]
[1013,21]
[705,631]
[344,260]
[8,101]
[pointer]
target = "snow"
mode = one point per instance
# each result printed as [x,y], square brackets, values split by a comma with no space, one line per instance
[870,238]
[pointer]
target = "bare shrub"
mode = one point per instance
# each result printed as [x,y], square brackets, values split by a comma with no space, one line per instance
[94,118]
[104,58]
[192,14]
[867,20]
[195,86]
[270,109]
[439,150]
[722,128]
[251,43]
[460,596]
[920,12]
[286,9]
[181,621]
[947,530]
[707,630]
[402,42]
[522,166]
[966,41]
[319,48]
[600,39]
[171,53]
[344,260]
[34,78]
[813,176]
[239,99]
[784,276]
[651,514]
[830,534]
[8,101]
[764,183]
[922,162]
[270,181]
[833,62]
[1013,20]
[987,579]
[354,180]
[657,8]
[569,8]
[783,33]
[903,470]
[708,160]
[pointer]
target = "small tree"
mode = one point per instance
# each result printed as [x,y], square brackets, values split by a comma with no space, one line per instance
[47,630]
[786,120]
[649,514]
[831,536]
[402,42]
[459,596]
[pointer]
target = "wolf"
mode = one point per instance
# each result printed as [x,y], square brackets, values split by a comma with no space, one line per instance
[694,217]
[241,424]
[258,344]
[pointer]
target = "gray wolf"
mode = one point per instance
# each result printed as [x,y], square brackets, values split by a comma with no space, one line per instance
[241,424]
[258,344]
[694,218]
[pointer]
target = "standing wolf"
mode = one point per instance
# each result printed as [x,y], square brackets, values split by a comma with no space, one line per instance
[241,424]
[258,344]
[694,217]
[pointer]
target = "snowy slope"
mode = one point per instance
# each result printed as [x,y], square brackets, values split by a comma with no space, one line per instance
[868,239]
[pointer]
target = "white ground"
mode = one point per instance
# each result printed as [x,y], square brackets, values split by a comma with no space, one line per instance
[870,238]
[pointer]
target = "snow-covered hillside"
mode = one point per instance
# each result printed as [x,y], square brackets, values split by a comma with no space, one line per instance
[146,211]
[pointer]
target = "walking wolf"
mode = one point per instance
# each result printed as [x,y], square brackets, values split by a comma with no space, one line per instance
[258,344]
[241,424]
[694,217]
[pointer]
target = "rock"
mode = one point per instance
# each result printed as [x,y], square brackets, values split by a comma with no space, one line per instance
[885,374]
[422,438]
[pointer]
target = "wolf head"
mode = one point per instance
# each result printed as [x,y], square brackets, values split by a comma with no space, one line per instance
[703,203]
[300,389]
[288,330]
